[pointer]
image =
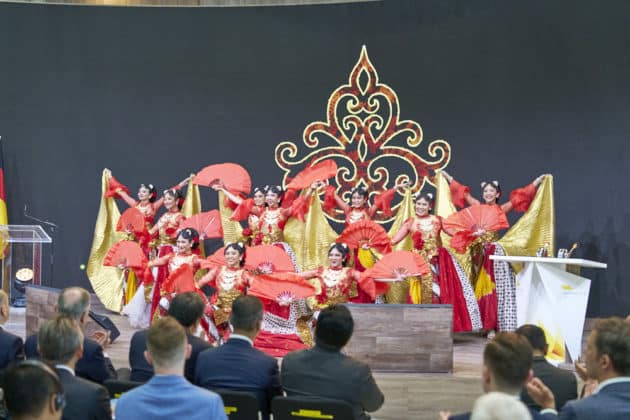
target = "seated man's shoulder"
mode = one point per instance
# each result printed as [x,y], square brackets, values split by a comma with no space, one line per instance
[139,335]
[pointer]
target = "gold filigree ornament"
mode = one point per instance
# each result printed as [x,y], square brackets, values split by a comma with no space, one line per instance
[364,134]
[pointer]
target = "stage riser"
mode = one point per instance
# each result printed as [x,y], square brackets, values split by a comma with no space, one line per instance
[403,338]
[41,304]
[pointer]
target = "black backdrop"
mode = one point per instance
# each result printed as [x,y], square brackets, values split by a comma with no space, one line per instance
[517,88]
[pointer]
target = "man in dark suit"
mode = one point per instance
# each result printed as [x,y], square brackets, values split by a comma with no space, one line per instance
[237,365]
[562,382]
[11,346]
[607,362]
[507,366]
[324,371]
[95,365]
[187,309]
[60,342]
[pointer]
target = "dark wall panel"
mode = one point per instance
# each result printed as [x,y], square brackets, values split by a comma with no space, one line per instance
[517,88]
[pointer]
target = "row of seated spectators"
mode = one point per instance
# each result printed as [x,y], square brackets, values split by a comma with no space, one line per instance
[170,359]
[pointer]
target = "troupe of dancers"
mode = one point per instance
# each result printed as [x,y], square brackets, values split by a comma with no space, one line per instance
[156,259]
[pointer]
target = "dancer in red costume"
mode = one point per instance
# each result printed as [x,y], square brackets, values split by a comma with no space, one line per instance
[229,281]
[447,282]
[147,203]
[166,229]
[333,282]
[246,208]
[145,304]
[494,282]
[359,209]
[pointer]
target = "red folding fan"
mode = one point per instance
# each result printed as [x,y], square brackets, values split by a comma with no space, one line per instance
[268,259]
[366,232]
[180,281]
[215,260]
[127,253]
[318,172]
[234,177]
[131,220]
[207,224]
[281,287]
[480,216]
[397,263]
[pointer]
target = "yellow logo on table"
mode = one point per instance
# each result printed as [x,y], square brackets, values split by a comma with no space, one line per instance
[555,344]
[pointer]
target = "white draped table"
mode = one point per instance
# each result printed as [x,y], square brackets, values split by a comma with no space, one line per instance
[554,299]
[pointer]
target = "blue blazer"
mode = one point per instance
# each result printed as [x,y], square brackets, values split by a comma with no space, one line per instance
[142,371]
[11,348]
[237,366]
[612,402]
[93,366]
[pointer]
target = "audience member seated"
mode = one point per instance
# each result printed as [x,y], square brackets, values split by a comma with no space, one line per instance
[187,309]
[168,395]
[324,371]
[74,302]
[507,367]
[60,342]
[607,362]
[237,365]
[33,391]
[11,346]
[562,382]
[499,406]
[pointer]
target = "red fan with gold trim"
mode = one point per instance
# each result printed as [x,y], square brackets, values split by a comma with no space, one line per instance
[127,253]
[207,224]
[398,264]
[281,287]
[477,217]
[319,172]
[180,281]
[366,232]
[233,176]
[131,220]
[268,259]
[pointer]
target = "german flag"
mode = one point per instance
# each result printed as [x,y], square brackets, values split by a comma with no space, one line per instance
[3,200]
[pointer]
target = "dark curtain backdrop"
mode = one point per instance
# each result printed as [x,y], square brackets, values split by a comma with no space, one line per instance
[518,88]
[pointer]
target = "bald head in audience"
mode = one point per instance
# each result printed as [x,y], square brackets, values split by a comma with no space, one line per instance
[74,302]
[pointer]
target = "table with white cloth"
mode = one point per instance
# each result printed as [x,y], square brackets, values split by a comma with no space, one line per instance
[553,298]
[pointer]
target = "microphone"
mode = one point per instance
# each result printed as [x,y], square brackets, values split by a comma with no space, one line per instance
[37,219]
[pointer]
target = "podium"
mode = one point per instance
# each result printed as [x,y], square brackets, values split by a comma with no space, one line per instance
[549,294]
[22,260]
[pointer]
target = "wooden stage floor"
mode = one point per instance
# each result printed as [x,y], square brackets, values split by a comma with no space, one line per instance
[407,396]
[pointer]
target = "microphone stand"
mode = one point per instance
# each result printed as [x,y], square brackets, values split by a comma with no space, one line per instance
[53,227]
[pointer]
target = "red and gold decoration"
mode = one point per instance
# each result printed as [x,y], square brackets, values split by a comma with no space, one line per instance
[367,138]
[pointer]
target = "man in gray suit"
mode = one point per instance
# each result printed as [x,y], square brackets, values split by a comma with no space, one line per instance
[562,382]
[608,362]
[324,371]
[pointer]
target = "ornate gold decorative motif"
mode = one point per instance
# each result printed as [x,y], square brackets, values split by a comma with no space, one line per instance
[364,134]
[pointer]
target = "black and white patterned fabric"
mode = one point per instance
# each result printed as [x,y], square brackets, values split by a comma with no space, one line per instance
[505,283]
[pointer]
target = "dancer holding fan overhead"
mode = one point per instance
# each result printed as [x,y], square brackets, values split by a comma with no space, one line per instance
[477,228]
[446,282]
[147,203]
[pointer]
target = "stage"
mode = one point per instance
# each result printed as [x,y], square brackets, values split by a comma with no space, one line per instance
[407,396]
